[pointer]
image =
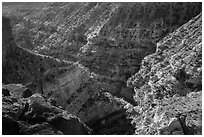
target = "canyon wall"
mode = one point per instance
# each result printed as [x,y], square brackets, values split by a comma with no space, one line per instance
[168,86]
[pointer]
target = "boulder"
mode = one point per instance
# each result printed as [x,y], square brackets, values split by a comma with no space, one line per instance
[173,128]
[62,120]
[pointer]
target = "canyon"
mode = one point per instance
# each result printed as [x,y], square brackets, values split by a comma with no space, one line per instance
[104,68]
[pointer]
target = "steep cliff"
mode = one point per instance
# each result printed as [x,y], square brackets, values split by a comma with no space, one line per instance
[169,84]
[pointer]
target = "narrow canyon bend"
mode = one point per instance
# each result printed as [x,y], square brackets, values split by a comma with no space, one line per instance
[102,68]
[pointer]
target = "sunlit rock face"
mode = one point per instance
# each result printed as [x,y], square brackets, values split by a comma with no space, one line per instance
[169,84]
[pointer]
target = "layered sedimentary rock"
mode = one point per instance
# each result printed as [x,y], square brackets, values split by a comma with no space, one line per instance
[168,87]
[126,20]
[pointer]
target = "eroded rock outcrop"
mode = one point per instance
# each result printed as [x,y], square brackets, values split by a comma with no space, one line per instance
[168,87]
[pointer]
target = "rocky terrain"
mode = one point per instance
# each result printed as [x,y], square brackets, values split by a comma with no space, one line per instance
[168,87]
[63,85]
[102,68]
[111,39]
[36,116]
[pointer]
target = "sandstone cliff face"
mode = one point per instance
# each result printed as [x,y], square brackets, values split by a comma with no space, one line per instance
[169,84]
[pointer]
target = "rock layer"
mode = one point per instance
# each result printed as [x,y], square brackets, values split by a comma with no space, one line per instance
[126,20]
